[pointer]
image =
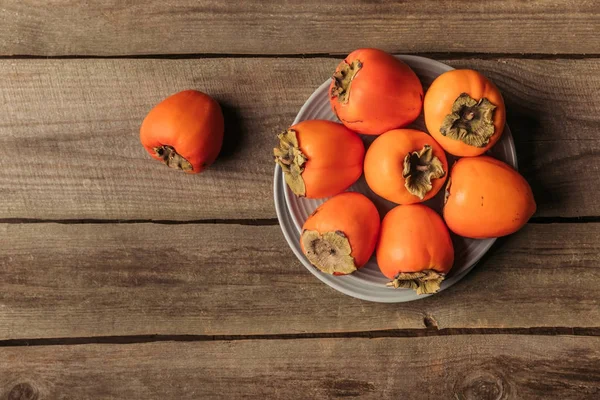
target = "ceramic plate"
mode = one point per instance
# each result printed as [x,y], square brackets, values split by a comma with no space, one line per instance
[368,283]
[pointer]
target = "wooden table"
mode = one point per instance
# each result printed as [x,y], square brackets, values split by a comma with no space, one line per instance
[121,279]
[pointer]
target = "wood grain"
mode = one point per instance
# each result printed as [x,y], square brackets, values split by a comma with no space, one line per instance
[71,130]
[69,27]
[470,367]
[80,280]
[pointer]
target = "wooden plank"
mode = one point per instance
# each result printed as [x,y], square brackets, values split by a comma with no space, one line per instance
[71,128]
[271,27]
[81,280]
[470,367]
[75,126]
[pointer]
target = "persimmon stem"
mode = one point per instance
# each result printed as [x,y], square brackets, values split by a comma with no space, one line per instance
[471,121]
[420,167]
[423,282]
[342,79]
[329,252]
[291,160]
[172,159]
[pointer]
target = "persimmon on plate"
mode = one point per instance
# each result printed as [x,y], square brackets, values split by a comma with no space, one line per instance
[486,198]
[464,111]
[415,250]
[367,282]
[339,237]
[372,92]
[406,166]
[319,158]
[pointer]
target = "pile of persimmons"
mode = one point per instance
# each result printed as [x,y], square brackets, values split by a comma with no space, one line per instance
[373,93]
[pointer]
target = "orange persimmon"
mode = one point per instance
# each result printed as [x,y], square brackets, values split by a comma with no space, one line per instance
[340,235]
[464,112]
[319,158]
[405,166]
[372,92]
[415,250]
[486,198]
[184,131]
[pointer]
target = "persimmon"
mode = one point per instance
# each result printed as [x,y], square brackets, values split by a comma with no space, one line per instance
[464,112]
[372,92]
[184,131]
[486,198]
[340,235]
[319,158]
[405,166]
[415,250]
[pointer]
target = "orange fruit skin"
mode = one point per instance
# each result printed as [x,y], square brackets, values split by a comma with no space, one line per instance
[384,164]
[353,214]
[385,94]
[442,93]
[335,157]
[414,238]
[189,121]
[487,199]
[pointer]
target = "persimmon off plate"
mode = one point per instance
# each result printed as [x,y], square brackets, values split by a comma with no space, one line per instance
[368,283]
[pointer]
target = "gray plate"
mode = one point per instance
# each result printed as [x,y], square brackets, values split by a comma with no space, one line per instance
[368,283]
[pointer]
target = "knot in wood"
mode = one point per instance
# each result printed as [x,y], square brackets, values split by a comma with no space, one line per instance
[23,391]
[482,385]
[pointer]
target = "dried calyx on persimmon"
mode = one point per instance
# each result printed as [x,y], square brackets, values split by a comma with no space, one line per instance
[423,282]
[420,167]
[329,252]
[291,160]
[172,159]
[471,121]
[342,79]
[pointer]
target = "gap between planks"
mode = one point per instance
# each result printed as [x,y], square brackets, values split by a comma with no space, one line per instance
[390,333]
[191,56]
[250,222]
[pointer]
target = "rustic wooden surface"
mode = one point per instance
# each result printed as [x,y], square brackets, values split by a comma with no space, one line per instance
[80,280]
[126,27]
[122,279]
[471,367]
[75,123]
